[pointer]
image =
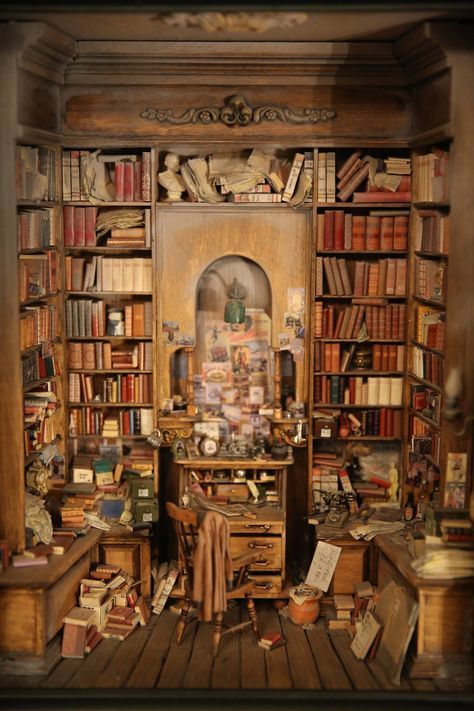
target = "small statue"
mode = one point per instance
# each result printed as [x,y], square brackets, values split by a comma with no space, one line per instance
[171,178]
[393,477]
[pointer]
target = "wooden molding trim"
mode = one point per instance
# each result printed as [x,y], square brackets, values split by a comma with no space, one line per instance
[42,50]
[237,112]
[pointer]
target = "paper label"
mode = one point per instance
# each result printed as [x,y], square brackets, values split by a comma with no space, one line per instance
[323,565]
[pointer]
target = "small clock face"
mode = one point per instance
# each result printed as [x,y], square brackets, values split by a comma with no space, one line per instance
[209,447]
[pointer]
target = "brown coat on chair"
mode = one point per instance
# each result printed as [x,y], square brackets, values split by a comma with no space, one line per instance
[212,565]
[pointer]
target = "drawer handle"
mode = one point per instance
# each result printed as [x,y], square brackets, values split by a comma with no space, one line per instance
[265,526]
[263,586]
[261,563]
[261,546]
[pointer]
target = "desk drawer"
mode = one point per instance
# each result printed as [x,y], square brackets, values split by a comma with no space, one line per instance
[239,492]
[269,549]
[254,528]
[266,584]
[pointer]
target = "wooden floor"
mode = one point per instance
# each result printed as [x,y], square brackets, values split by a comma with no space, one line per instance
[312,660]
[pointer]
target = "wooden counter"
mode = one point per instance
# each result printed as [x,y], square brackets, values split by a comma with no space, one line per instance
[33,603]
[442,643]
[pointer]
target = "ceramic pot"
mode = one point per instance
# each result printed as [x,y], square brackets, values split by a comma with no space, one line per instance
[307,612]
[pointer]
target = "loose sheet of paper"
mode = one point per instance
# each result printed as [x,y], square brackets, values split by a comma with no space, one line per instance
[323,565]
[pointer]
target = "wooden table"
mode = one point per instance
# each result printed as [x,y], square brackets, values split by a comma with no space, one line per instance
[442,643]
[34,601]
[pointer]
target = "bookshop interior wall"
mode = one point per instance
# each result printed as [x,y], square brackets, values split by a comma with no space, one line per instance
[238,277]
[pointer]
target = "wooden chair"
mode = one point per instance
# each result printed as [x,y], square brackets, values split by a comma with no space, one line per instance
[185,523]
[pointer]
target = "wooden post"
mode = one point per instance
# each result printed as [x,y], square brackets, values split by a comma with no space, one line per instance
[277,384]
[191,408]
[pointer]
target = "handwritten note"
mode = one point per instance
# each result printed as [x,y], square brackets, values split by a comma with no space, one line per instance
[323,565]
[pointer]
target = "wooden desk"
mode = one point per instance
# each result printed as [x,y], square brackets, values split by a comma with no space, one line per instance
[442,643]
[34,601]
[355,560]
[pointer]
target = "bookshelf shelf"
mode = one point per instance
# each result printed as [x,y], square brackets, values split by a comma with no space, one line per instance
[365,205]
[365,406]
[349,297]
[427,348]
[94,403]
[354,340]
[426,420]
[29,458]
[99,436]
[44,297]
[430,205]
[31,386]
[365,253]
[364,438]
[109,370]
[106,250]
[37,250]
[109,293]
[357,373]
[110,203]
[429,302]
[113,339]
[37,203]
[428,383]
[432,255]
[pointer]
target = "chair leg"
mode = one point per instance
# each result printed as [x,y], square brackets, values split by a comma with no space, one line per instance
[182,620]
[216,638]
[252,613]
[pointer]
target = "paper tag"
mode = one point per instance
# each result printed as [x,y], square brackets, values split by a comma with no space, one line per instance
[147,516]
[142,493]
[323,565]
[325,432]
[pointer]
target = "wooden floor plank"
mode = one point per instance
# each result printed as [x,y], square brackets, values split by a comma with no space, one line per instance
[278,668]
[60,676]
[331,671]
[93,666]
[381,676]
[121,666]
[198,673]
[360,676]
[422,685]
[252,660]
[155,651]
[226,669]
[177,658]
[302,667]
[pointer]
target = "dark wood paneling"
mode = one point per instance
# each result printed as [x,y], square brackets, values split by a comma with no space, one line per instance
[372,113]
[39,102]
[431,103]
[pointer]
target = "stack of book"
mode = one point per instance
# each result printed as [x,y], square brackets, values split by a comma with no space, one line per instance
[80,634]
[271,640]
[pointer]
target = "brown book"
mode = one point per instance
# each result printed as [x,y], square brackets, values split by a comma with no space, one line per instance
[329,229]
[401,277]
[377,356]
[359,279]
[335,356]
[77,273]
[391,277]
[372,239]
[345,322]
[138,319]
[358,232]
[74,356]
[112,633]
[382,277]
[340,318]
[331,282]
[400,232]
[385,358]
[320,232]
[347,165]
[346,282]
[360,316]
[392,357]
[352,322]
[354,183]
[339,229]
[386,233]
[92,639]
[74,641]
[41,549]
[127,233]
[337,276]
[373,280]
[81,616]
[144,613]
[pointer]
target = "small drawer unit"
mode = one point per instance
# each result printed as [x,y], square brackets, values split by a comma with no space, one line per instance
[255,490]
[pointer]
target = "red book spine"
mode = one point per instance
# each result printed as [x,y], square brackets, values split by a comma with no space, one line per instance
[386,233]
[68,225]
[372,233]
[79,227]
[382,197]
[119,181]
[358,232]
[352,389]
[90,236]
[389,421]
[137,180]
[331,322]
[377,357]
[400,232]
[130,388]
[396,423]
[383,422]
[368,320]
[385,358]
[339,229]
[123,388]
[128,180]
[375,322]
[329,229]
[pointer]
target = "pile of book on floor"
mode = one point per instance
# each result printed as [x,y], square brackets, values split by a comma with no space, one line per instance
[271,640]
[355,614]
[108,603]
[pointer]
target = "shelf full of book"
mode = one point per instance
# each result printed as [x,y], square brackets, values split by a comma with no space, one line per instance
[359,319]
[429,258]
[41,314]
[109,315]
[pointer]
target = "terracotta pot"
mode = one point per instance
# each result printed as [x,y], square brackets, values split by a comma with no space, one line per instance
[307,612]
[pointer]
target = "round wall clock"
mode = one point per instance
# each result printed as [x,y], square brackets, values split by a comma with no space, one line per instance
[209,446]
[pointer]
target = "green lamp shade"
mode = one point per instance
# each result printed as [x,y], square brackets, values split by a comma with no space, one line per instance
[234,311]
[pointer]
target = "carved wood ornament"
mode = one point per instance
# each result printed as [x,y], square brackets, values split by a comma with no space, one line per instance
[237,112]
